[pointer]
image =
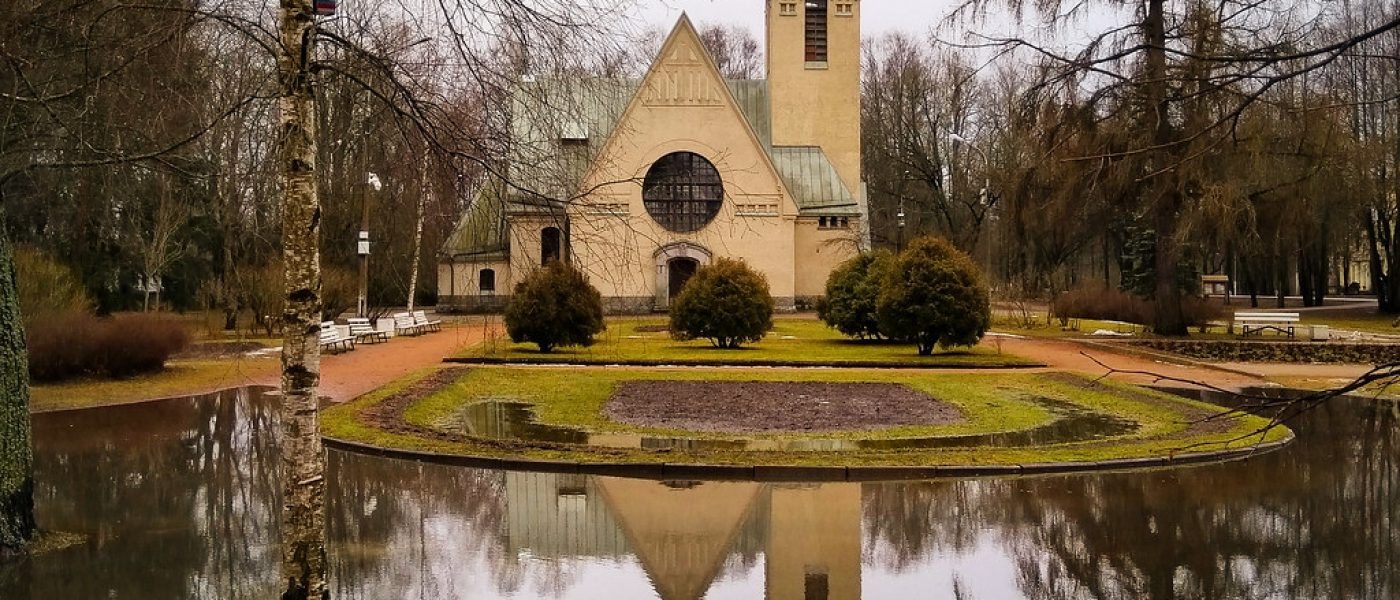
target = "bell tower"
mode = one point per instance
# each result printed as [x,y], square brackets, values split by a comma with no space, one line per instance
[814,79]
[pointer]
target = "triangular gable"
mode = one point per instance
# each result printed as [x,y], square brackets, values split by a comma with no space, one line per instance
[681,550]
[685,75]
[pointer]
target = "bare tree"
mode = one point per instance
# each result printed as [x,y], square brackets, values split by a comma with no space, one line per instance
[737,54]
[1183,73]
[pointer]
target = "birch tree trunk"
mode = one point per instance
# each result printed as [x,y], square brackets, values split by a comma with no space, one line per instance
[303,461]
[16,453]
[417,236]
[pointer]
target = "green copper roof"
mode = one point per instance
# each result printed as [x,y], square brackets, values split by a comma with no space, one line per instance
[481,234]
[813,181]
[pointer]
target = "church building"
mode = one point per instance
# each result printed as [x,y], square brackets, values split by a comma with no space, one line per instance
[639,183]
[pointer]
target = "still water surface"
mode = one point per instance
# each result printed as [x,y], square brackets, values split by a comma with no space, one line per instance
[179,500]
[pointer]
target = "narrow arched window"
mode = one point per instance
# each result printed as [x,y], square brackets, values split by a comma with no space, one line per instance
[488,281]
[551,245]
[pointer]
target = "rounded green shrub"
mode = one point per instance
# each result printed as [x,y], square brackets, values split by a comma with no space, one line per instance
[555,307]
[725,302]
[851,292]
[933,294]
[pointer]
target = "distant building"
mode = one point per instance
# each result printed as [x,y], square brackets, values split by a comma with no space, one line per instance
[640,182]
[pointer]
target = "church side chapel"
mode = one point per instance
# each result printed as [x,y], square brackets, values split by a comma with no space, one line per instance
[639,183]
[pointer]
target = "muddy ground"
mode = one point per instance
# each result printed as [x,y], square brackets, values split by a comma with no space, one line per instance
[769,406]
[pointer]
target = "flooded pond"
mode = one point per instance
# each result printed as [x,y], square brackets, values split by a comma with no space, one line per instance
[178,499]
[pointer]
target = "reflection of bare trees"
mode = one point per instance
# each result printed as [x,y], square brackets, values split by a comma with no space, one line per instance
[177,496]
[404,530]
[1316,520]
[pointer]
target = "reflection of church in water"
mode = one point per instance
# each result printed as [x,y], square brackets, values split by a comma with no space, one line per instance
[682,533]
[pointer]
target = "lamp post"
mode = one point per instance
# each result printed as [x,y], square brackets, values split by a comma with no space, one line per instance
[984,196]
[899,222]
[362,247]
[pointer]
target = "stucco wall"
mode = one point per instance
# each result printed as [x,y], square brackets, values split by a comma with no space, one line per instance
[459,284]
[819,251]
[799,119]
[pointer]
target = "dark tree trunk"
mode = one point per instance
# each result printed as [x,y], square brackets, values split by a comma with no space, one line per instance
[16,453]
[1305,277]
[1165,196]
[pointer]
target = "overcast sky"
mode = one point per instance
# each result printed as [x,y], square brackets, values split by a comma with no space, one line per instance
[877,16]
[918,17]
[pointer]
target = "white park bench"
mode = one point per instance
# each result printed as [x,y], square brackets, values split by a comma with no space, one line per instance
[332,339]
[1285,323]
[404,324]
[420,318]
[364,333]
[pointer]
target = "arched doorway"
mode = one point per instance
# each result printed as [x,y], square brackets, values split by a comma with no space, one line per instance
[675,265]
[680,271]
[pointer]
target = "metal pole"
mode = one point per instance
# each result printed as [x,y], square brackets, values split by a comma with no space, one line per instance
[363,241]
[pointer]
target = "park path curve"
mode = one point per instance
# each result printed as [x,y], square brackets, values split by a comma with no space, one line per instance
[348,375]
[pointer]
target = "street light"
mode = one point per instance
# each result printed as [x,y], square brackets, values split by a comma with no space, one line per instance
[985,196]
[362,246]
[987,183]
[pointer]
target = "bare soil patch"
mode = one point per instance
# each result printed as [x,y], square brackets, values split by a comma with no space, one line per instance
[768,406]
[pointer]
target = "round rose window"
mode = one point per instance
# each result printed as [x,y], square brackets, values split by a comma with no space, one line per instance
[683,192]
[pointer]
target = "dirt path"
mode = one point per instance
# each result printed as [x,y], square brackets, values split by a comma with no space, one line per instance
[1069,355]
[348,375]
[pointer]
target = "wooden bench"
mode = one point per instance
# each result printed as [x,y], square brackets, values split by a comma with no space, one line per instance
[404,324]
[420,319]
[364,333]
[331,339]
[1285,323]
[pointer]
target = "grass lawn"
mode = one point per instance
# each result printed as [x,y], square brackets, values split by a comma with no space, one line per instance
[792,341]
[180,378]
[990,403]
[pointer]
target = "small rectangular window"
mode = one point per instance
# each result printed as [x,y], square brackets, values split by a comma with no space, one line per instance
[845,9]
[816,31]
[787,9]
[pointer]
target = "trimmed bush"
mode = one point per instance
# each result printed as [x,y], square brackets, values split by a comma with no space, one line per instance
[555,307]
[48,287]
[726,302]
[75,344]
[1101,304]
[851,291]
[1108,304]
[933,294]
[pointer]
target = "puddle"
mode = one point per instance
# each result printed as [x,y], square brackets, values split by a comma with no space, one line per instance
[498,419]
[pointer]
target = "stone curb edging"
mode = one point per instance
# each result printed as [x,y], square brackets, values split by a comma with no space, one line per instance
[802,473]
[1167,357]
[585,362]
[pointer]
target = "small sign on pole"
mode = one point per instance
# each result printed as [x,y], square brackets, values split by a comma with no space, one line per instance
[324,8]
[364,243]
